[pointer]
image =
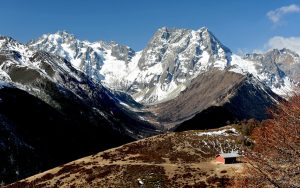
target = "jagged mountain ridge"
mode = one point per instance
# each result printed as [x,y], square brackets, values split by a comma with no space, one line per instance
[277,68]
[215,98]
[171,59]
[40,72]
[85,56]
[51,113]
[157,73]
[171,62]
[176,70]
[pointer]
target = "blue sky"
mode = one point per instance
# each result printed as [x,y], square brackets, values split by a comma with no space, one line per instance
[241,25]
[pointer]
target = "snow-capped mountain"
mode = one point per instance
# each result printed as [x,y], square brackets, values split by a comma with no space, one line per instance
[171,59]
[85,56]
[81,93]
[278,69]
[51,113]
[46,75]
[160,72]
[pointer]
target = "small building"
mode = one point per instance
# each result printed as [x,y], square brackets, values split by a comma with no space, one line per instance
[227,158]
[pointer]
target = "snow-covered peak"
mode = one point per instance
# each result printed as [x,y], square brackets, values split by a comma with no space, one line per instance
[10,46]
[278,69]
[203,29]
[64,34]
[66,45]
[60,43]
[5,40]
[183,43]
[285,61]
[8,43]
[59,36]
[275,55]
[171,59]
[85,56]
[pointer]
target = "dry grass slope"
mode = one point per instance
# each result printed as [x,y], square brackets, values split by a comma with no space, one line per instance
[182,159]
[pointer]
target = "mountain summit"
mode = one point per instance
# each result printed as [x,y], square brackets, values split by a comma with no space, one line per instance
[171,59]
[58,93]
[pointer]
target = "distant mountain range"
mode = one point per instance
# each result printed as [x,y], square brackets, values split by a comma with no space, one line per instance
[171,59]
[62,98]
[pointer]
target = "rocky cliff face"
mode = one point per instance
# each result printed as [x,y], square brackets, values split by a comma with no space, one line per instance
[278,69]
[85,56]
[171,59]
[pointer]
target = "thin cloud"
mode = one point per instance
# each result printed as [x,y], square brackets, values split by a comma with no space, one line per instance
[276,15]
[278,42]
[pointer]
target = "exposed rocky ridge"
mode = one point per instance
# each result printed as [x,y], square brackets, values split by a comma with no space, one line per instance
[85,56]
[46,76]
[176,56]
[52,113]
[277,68]
[171,59]
[239,96]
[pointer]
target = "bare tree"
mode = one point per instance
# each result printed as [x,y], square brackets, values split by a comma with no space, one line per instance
[274,161]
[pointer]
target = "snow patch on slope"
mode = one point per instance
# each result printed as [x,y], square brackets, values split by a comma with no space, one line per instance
[224,132]
[118,73]
[287,89]
[242,66]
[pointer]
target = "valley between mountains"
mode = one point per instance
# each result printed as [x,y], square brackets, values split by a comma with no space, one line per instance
[62,99]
